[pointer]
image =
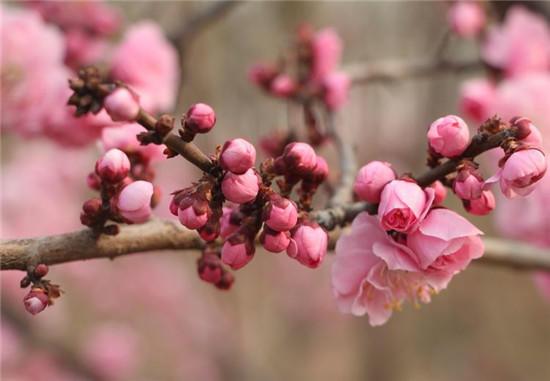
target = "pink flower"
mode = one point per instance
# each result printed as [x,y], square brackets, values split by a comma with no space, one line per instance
[200,118]
[280,214]
[124,138]
[192,219]
[440,192]
[134,201]
[83,48]
[373,275]
[122,105]
[466,18]
[371,179]
[237,254]
[299,158]
[326,50]
[36,301]
[113,166]
[520,172]
[308,244]
[449,136]
[238,156]
[529,134]
[403,204]
[482,205]
[229,222]
[477,98]
[147,62]
[241,189]
[274,241]
[468,184]
[283,86]
[444,244]
[336,88]
[520,45]
[210,268]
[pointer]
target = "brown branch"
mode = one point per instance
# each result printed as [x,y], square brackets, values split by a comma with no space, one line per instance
[19,254]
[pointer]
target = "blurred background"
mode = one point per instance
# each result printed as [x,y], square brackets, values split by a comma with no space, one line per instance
[148,317]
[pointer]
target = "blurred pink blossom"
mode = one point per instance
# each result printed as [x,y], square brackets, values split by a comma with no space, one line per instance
[466,18]
[124,138]
[326,48]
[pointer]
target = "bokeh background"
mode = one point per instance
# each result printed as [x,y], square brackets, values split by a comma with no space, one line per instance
[148,317]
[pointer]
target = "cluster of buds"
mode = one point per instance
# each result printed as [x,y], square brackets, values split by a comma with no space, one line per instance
[42,292]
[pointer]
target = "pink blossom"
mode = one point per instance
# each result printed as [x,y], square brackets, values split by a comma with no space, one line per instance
[281,214]
[308,244]
[326,50]
[228,227]
[299,158]
[147,62]
[124,138]
[440,192]
[241,189]
[200,118]
[210,268]
[403,204]
[36,301]
[237,254]
[444,244]
[466,18]
[449,136]
[477,98]
[122,105]
[371,179]
[238,156]
[364,283]
[83,48]
[320,172]
[134,201]
[468,184]
[283,86]
[113,166]
[274,241]
[192,219]
[336,88]
[529,134]
[520,45]
[482,205]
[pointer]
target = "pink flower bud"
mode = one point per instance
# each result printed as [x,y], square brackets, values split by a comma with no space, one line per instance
[299,158]
[449,136]
[174,207]
[320,172]
[402,205]
[134,201]
[192,219]
[236,255]
[210,268]
[36,301]
[238,156]
[336,88]
[200,118]
[371,179]
[326,50]
[113,166]
[41,270]
[468,184]
[93,181]
[283,86]
[262,74]
[229,222]
[521,171]
[440,192]
[466,18]
[477,98]
[280,214]
[122,105]
[308,244]
[274,241]
[481,206]
[240,189]
[527,132]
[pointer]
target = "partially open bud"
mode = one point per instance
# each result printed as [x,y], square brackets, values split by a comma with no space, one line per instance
[238,156]
[241,189]
[481,206]
[191,218]
[521,171]
[122,105]
[299,158]
[371,179]
[274,241]
[308,244]
[113,166]
[237,254]
[283,86]
[449,136]
[134,201]
[527,132]
[200,118]
[210,268]
[230,222]
[36,301]
[280,214]
[468,183]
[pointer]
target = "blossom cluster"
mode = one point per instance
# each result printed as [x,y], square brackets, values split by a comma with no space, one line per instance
[414,246]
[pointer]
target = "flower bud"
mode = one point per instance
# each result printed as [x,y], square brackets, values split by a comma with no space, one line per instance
[482,205]
[113,166]
[134,201]
[240,189]
[122,105]
[210,268]
[326,51]
[229,222]
[262,75]
[527,132]
[449,136]
[371,179]
[93,181]
[41,270]
[36,301]
[274,241]
[466,18]
[335,90]
[237,254]
[521,171]
[238,156]
[468,184]
[299,158]
[210,231]
[308,244]
[226,282]
[477,97]
[200,118]
[280,214]
[283,86]
[191,218]
[440,192]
